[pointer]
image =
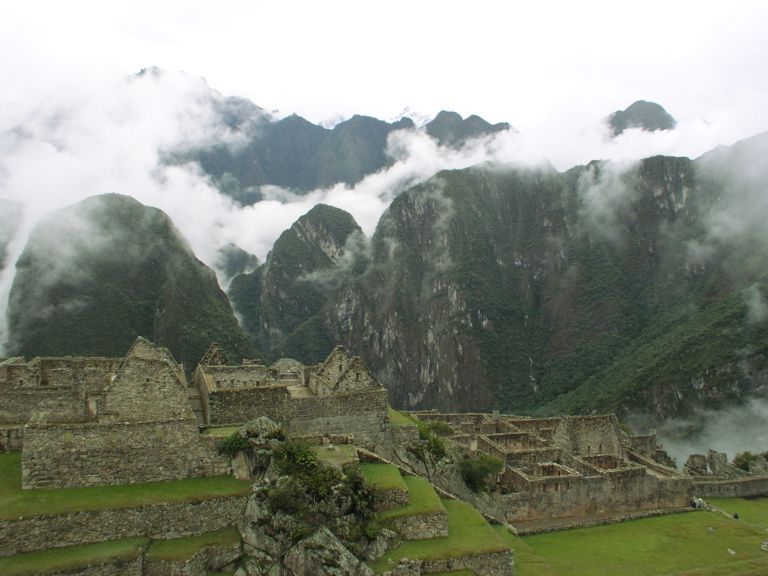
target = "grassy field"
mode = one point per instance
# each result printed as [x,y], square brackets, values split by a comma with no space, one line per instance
[382,476]
[341,455]
[221,431]
[15,502]
[398,419]
[422,500]
[183,548]
[690,544]
[71,557]
[468,531]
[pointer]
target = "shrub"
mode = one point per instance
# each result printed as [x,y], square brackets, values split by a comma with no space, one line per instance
[475,471]
[441,428]
[232,444]
[743,460]
[288,498]
[432,442]
[295,458]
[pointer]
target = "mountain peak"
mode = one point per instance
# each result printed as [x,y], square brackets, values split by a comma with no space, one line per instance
[648,116]
[450,129]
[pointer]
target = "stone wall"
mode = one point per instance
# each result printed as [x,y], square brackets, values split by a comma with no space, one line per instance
[404,436]
[169,520]
[627,491]
[421,526]
[146,389]
[737,488]
[11,438]
[491,564]
[589,434]
[389,499]
[209,559]
[64,455]
[58,386]
[362,413]
[235,406]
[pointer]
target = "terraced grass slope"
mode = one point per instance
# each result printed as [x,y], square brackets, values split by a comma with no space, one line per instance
[15,502]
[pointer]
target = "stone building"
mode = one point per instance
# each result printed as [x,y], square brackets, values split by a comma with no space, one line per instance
[569,469]
[338,396]
[110,421]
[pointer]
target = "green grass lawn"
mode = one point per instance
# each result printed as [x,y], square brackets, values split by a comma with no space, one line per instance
[398,418]
[183,548]
[71,557]
[468,531]
[422,499]
[221,432]
[342,454]
[753,511]
[382,476]
[695,543]
[15,502]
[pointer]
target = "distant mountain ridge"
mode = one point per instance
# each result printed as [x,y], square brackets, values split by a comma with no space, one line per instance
[648,116]
[298,155]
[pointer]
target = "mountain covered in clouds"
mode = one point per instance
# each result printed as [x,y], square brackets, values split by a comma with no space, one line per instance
[599,288]
[95,275]
[648,116]
[295,154]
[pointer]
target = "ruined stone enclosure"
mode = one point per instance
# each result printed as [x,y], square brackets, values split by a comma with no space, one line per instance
[566,470]
[338,396]
[97,421]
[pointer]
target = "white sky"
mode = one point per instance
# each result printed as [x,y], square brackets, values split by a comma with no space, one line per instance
[529,63]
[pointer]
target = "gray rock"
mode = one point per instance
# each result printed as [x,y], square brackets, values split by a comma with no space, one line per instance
[322,554]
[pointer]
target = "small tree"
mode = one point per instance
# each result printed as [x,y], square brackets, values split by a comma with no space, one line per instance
[476,471]
[743,460]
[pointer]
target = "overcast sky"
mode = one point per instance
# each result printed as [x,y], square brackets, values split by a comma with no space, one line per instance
[528,63]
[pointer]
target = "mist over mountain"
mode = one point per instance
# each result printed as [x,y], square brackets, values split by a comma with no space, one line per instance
[96,275]
[605,287]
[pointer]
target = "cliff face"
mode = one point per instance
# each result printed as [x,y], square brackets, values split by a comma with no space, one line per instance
[98,274]
[601,288]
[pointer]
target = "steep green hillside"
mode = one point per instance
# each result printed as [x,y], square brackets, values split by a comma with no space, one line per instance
[606,287]
[95,275]
[306,264]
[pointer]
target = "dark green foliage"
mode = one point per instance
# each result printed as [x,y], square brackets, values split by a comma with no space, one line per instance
[441,428]
[288,497]
[295,458]
[432,443]
[232,444]
[744,460]
[98,274]
[476,471]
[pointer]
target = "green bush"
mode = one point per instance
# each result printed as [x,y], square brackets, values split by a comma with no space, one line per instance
[232,444]
[441,428]
[743,460]
[295,458]
[432,442]
[476,471]
[288,498]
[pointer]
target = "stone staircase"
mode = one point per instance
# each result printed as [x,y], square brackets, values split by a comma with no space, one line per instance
[440,535]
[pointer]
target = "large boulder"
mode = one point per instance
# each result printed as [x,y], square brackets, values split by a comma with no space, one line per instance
[322,554]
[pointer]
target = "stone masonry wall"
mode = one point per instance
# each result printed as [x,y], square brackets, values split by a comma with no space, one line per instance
[421,526]
[209,559]
[169,520]
[491,564]
[740,488]
[236,406]
[11,438]
[57,456]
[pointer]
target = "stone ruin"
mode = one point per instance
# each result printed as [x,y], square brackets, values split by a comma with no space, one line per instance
[97,421]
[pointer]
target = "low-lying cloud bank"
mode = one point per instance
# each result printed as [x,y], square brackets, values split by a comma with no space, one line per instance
[58,146]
